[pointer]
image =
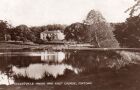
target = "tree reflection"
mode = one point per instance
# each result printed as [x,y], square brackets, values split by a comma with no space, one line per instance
[39,71]
[5,79]
[94,60]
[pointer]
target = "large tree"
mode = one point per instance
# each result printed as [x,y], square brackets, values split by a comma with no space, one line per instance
[100,32]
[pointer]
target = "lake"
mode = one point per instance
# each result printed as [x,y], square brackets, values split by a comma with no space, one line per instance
[103,70]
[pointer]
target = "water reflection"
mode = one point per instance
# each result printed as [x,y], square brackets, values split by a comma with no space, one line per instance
[49,56]
[5,79]
[92,61]
[56,56]
[39,71]
[27,66]
[44,56]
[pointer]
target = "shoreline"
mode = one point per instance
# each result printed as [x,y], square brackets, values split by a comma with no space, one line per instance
[53,47]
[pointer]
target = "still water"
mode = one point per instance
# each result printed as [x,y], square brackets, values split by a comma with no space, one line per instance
[100,67]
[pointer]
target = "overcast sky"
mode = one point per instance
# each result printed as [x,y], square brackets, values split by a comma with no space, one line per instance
[42,12]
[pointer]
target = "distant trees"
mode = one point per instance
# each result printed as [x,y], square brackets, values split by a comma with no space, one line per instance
[22,33]
[100,32]
[56,27]
[36,31]
[76,32]
[25,33]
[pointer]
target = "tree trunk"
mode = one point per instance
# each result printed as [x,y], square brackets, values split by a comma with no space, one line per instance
[96,40]
[5,37]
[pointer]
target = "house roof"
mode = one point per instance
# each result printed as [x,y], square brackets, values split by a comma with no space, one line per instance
[54,31]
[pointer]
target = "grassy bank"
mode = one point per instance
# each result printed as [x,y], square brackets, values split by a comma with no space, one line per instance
[30,47]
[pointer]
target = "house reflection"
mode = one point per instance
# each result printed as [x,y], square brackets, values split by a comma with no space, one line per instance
[49,56]
[52,56]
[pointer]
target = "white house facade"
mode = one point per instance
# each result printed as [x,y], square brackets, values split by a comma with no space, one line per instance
[55,35]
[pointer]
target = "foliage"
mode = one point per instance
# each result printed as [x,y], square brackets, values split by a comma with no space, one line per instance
[128,33]
[77,32]
[36,31]
[22,33]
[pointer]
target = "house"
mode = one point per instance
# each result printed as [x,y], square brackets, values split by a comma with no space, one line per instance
[55,35]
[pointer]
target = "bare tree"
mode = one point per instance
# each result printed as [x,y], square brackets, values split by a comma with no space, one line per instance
[135,8]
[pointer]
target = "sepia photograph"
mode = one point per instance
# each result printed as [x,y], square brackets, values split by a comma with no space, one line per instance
[69,44]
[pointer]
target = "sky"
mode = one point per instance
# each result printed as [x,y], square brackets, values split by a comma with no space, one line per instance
[43,12]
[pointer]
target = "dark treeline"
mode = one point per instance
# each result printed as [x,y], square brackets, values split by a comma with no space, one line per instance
[128,32]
